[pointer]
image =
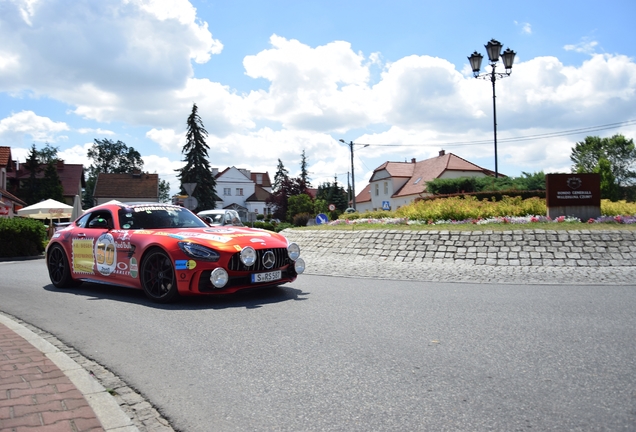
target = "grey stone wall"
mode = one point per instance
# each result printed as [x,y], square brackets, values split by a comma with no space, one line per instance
[577,248]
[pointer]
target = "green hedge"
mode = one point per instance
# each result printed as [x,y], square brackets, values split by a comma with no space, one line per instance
[21,237]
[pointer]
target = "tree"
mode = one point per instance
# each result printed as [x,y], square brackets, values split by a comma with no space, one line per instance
[619,152]
[279,199]
[297,204]
[51,185]
[164,191]
[32,165]
[110,158]
[304,175]
[334,194]
[197,168]
[281,175]
[609,188]
[48,154]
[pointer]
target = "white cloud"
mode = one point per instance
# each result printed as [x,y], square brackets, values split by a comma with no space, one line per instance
[17,127]
[526,28]
[112,59]
[586,46]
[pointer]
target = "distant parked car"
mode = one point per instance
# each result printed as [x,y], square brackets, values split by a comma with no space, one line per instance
[168,251]
[221,217]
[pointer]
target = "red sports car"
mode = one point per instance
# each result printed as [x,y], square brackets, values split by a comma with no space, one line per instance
[168,251]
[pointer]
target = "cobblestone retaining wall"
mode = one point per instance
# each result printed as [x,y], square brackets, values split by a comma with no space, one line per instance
[582,248]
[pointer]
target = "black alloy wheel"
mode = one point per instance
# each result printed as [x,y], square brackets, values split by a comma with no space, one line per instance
[158,277]
[59,269]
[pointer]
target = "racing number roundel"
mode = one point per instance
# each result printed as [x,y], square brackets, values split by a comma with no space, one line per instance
[105,254]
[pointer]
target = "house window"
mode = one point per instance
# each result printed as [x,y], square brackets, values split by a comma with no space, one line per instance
[377,189]
[386,188]
[227,191]
[239,191]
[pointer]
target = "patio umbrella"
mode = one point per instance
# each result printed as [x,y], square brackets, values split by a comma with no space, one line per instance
[77,208]
[48,209]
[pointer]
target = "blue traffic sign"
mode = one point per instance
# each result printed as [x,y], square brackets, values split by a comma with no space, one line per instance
[322,218]
[386,205]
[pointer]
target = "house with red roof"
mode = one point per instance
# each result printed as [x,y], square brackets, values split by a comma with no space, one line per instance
[394,184]
[242,190]
[71,177]
[135,187]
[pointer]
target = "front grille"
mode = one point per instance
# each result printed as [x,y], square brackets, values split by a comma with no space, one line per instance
[281,258]
[206,286]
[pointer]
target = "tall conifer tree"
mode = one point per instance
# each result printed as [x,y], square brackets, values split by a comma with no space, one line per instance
[197,169]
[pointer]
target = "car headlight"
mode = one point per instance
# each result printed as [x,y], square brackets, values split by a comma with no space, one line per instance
[199,252]
[219,277]
[248,256]
[299,265]
[294,251]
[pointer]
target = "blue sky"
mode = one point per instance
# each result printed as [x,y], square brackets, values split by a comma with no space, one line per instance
[274,78]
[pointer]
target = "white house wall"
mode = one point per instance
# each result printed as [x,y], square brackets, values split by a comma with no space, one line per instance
[230,184]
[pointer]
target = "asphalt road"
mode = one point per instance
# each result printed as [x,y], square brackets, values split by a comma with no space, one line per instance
[347,354]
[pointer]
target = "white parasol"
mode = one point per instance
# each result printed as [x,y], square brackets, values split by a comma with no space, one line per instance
[48,209]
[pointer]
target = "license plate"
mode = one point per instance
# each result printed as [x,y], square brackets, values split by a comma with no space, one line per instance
[266,277]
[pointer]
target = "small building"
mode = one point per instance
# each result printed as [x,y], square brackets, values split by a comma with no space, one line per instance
[394,184]
[135,187]
[242,190]
[71,177]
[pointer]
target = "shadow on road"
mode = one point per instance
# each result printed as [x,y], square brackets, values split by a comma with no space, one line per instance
[251,299]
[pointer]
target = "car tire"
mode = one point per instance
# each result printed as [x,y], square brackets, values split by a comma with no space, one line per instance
[158,277]
[59,268]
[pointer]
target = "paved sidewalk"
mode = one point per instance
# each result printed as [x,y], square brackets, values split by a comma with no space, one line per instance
[42,389]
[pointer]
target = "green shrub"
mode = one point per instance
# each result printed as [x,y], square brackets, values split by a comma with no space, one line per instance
[301,219]
[264,225]
[21,237]
[283,225]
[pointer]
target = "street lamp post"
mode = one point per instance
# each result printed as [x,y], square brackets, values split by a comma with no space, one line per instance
[493,48]
[353,177]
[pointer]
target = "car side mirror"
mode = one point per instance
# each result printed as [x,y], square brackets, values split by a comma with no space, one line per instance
[98,223]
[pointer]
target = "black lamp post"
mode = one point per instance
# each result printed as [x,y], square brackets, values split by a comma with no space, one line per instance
[493,48]
[353,177]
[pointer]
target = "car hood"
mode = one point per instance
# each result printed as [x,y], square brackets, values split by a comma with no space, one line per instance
[230,237]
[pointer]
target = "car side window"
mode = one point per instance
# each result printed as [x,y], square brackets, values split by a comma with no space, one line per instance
[101,220]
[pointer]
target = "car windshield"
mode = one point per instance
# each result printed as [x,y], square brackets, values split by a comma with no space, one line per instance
[158,217]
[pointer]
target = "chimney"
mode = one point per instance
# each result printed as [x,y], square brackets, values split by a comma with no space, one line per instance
[60,165]
[136,173]
[215,171]
[412,160]
[442,152]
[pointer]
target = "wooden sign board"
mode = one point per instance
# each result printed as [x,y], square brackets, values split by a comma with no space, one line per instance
[577,195]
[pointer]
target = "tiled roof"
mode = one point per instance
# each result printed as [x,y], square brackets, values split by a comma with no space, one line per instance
[127,186]
[71,176]
[433,168]
[365,195]
[5,156]
[259,195]
[10,196]
[266,182]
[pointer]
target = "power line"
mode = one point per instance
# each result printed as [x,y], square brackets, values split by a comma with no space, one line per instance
[515,139]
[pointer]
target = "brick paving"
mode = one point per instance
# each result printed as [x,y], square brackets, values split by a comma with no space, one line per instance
[35,395]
